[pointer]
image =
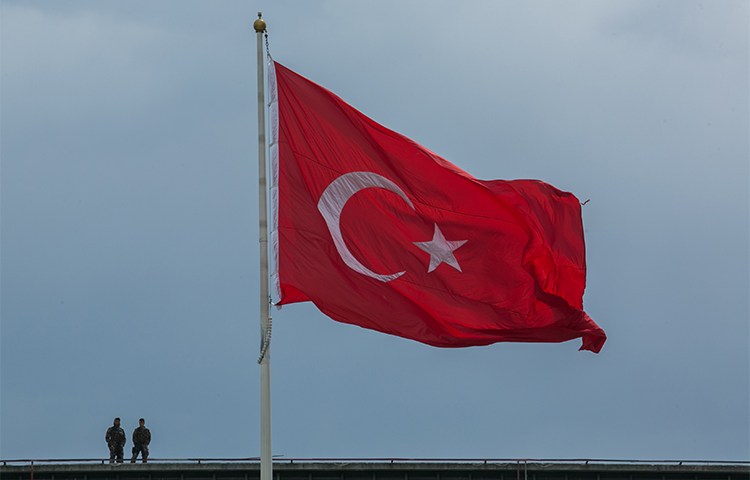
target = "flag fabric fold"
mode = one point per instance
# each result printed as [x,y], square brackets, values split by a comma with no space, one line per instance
[379,232]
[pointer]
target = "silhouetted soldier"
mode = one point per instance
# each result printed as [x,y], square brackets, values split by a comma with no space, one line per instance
[141,439]
[115,439]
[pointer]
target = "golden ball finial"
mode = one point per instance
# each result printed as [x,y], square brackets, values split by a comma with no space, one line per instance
[259,24]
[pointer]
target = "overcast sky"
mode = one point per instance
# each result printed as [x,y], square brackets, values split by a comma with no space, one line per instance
[130,248]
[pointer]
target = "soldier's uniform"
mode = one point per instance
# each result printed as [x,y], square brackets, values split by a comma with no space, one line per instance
[141,439]
[115,439]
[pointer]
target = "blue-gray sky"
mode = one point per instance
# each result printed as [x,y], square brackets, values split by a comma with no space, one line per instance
[129,227]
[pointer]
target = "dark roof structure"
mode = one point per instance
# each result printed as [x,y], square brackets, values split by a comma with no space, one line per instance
[374,469]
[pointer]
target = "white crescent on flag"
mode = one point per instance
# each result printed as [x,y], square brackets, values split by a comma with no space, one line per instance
[332,202]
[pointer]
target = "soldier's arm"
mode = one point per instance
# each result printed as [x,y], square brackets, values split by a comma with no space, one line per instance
[148,436]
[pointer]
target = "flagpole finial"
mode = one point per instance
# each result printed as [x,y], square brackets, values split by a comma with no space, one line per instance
[259,24]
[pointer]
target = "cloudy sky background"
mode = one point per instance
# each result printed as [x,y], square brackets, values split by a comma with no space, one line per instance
[129,240]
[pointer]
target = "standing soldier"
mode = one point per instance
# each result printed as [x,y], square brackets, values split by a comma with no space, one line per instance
[115,439]
[141,439]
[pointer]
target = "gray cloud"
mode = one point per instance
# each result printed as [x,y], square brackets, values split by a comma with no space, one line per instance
[129,240]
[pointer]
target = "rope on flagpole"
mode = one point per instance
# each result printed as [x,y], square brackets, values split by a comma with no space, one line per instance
[268,50]
[261,27]
[266,342]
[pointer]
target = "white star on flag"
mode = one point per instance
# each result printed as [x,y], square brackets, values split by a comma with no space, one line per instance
[441,250]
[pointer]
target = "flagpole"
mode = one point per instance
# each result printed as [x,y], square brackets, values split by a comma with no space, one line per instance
[266,464]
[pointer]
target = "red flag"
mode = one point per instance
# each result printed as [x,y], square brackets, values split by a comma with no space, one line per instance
[378,231]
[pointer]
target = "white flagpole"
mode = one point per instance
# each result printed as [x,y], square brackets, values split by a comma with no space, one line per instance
[266,463]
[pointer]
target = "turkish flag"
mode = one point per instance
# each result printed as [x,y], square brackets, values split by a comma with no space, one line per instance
[378,231]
